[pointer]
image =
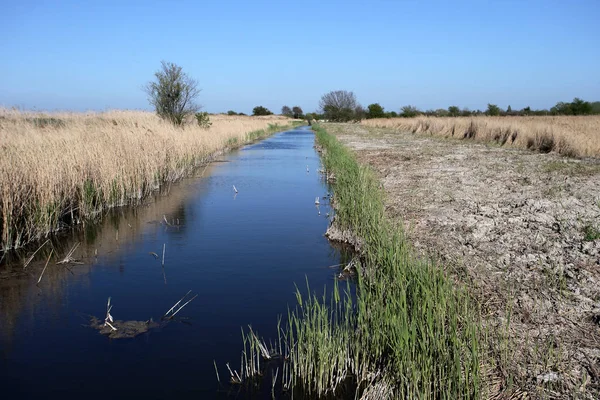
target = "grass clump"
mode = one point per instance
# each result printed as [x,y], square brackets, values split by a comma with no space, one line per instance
[408,333]
[590,233]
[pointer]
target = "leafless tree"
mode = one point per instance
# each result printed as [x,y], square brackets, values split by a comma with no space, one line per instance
[285,110]
[339,105]
[173,93]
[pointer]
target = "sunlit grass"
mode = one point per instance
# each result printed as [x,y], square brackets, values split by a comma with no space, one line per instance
[577,136]
[63,168]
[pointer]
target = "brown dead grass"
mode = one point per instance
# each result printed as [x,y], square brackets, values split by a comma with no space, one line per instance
[570,136]
[58,169]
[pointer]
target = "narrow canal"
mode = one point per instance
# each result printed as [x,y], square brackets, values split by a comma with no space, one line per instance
[240,253]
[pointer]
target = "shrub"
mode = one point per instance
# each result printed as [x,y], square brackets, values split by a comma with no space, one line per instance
[203,120]
[260,110]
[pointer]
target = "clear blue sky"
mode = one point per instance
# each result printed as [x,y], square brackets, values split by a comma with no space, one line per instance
[84,55]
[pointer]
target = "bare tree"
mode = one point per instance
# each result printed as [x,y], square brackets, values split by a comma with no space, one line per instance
[173,93]
[339,105]
[285,110]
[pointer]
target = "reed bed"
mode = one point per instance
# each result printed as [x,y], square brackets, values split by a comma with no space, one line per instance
[64,168]
[574,136]
[408,332]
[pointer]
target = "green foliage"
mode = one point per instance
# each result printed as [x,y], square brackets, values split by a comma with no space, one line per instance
[260,110]
[492,110]
[409,328]
[231,112]
[453,111]
[392,114]
[375,111]
[409,112]
[590,233]
[297,112]
[203,120]
[173,93]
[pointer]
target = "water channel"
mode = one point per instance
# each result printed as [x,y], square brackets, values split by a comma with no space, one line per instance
[241,253]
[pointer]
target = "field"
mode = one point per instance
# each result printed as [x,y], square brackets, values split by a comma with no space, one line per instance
[570,136]
[63,168]
[519,230]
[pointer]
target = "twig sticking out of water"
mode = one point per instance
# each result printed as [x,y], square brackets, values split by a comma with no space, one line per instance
[166,222]
[235,378]
[69,257]
[154,255]
[234,189]
[34,253]
[172,310]
[261,345]
[42,274]
[163,258]
[109,318]
[217,372]
[307,169]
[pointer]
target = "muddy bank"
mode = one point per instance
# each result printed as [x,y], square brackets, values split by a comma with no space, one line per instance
[521,230]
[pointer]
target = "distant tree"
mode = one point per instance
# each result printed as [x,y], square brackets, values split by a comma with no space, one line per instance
[453,111]
[595,107]
[493,110]
[339,105]
[509,110]
[525,111]
[242,114]
[231,112]
[375,111]
[260,110]
[409,112]
[441,112]
[297,111]
[173,93]
[580,107]
[392,114]
[359,113]
[465,112]
[285,110]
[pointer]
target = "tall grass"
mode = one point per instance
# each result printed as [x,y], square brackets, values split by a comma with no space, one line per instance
[409,333]
[577,136]
[65,168]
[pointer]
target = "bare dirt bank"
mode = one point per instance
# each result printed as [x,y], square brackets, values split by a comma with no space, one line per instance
[521,229]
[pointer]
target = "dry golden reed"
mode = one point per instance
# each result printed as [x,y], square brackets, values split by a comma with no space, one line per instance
[61,168]
[568,135]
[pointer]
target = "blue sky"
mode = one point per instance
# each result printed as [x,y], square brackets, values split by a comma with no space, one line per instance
[81,55]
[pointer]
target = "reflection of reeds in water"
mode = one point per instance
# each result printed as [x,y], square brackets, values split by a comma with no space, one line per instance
[62,169]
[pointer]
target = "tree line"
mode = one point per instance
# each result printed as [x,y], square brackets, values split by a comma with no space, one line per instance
[173,94]
[576,107]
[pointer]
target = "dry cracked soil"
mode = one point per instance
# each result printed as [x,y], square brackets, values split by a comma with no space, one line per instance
[521,230]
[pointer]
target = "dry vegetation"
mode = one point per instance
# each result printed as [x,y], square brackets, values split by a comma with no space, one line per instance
[571,136]
[63,168]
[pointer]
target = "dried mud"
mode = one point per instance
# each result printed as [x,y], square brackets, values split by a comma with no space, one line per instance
[521,231]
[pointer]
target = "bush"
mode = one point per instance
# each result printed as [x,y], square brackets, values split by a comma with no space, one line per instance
[203,120]
[375,111]
[260,110]
[231,112]
[173,94]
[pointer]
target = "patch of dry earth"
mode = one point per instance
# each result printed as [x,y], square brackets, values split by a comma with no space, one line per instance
[511,224]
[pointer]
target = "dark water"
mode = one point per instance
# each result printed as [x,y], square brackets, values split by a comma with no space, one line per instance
[241,254]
